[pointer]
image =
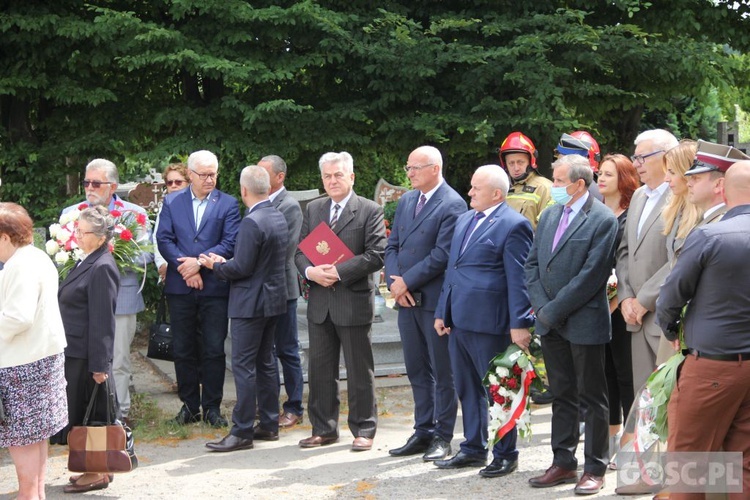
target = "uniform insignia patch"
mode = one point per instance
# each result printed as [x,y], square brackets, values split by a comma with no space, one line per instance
[529,189]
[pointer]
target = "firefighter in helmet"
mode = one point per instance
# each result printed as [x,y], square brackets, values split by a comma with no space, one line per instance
[529,193]
[583,144]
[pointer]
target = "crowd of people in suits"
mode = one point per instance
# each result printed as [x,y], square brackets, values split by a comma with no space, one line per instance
[529,255]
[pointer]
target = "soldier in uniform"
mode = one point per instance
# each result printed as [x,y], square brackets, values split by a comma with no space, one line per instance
[529,194]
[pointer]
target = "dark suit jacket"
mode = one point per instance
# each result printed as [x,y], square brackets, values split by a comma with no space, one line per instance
[484,289]
[290,209]
[360,226]
[87,298]
[256,273]
[177,237]
[418,248]
[568,286]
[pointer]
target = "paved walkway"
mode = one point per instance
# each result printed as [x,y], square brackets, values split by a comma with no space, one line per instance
[186,469]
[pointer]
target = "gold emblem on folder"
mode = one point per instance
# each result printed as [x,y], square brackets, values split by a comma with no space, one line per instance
[322,247]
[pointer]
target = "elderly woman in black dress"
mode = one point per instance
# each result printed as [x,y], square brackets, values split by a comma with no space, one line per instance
[32,339]
[87,301]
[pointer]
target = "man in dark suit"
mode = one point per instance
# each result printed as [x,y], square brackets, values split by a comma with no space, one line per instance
[199,219]
[286,338]
[415,260]
[340,307]
[484,307]
[257,298]
[566,273]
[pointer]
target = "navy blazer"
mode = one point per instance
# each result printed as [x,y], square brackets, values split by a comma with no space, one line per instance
[484,289]
[568,286]
[256,273]
[177,237]
[87,298]
[418,248]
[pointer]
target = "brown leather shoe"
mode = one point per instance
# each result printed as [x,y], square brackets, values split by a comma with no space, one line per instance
[76,477]
[362,444]
[553,476]
[99,484]
[589,484]
[315,441]
[289,419]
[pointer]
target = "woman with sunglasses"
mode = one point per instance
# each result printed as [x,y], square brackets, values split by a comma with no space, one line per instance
[175,178]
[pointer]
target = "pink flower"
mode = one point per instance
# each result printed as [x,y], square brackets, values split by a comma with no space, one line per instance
[83,206]
[517,370]
[126,235]
[512,384]
[141,219]
[118,203]
[116,213]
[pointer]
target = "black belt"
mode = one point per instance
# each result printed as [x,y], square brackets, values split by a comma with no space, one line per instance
[740,356]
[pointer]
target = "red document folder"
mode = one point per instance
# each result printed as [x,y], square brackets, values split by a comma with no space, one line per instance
[322,246]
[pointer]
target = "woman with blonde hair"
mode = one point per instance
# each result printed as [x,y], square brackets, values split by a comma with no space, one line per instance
[679,215]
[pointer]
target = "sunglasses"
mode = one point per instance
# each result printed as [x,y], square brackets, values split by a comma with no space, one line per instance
[94,184]
[176,182]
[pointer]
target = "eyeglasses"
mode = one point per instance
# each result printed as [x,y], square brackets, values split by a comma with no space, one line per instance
[204,177]
[642,158]
[177,182]
[81,233]
[416,168]
[94,184]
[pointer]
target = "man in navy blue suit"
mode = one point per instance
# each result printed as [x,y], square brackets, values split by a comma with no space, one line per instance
[198,219]
[257,300]
[415,260]
[567,272]
[484,306]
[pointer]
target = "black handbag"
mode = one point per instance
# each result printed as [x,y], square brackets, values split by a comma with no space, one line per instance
[160,335]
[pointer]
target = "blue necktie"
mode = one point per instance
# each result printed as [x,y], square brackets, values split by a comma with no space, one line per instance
[470,229]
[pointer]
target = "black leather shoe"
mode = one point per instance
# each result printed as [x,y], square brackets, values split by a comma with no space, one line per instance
[461,460]
[438,450]
[542,398]
[499,467]
[260,434]
[413,446]
[185,416]
[213,418]
[230,442]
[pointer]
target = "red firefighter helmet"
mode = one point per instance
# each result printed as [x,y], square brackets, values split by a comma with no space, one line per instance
[594,151]
[516,142]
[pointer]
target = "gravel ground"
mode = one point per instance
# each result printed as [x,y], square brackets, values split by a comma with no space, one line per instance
[186,469]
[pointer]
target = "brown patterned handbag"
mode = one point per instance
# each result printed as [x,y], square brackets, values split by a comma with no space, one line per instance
[100,447]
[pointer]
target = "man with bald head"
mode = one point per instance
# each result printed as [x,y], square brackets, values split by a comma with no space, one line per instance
[483,307]
[711,276]
[415,260]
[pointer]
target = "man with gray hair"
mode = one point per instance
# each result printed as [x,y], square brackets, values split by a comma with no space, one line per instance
[286,339]
[257,298]
[566,274]
[100,184]
[643,253]
[341,306]
[483,307]
[194,221]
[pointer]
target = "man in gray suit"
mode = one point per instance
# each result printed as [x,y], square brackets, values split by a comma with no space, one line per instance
[566,274]
[286,339]
[100,185]
[642,261]
[340,307]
